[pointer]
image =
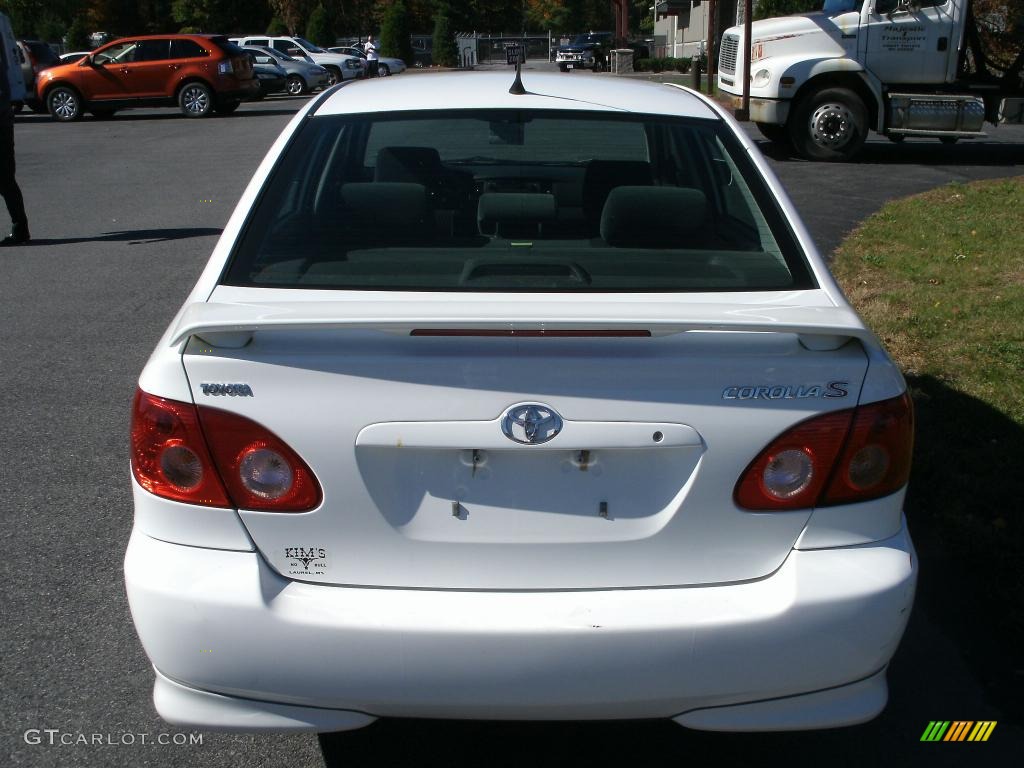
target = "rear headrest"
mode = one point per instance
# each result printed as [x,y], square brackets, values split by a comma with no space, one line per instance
[603,175]
[521,213]
[418,164]
[386,203]
[652,217]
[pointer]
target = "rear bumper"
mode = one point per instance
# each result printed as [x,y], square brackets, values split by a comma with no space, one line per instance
[244,89]
[249,650]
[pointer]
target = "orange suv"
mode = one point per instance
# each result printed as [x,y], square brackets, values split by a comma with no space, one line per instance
[198,73]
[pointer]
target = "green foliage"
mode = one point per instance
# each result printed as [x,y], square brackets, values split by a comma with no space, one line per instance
[293,13]
[277,27]
[49,28]
[394,33]
[218,16]
[938,277]
[667,64]
[318,30]
[770,9]
[78,34]
[445,50]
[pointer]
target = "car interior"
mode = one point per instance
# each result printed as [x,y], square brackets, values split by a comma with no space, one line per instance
[453,204]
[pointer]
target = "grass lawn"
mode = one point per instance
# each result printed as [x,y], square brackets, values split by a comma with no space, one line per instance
[940,278]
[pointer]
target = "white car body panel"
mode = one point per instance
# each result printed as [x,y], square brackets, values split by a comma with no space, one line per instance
[826,619]
[520,581]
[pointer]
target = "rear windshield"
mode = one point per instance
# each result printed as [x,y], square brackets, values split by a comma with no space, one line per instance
[43,54]
[227,46]
[515,200]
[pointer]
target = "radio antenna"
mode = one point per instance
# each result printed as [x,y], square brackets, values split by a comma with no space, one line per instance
[517,88]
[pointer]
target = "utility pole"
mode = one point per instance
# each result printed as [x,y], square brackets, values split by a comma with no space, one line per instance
[743,113]
[712,32]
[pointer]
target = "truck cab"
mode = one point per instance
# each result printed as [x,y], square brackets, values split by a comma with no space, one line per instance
[821,80]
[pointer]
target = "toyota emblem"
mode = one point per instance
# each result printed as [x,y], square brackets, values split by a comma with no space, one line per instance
[531,423]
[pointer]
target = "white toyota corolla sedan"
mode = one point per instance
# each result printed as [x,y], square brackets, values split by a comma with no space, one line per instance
[518,406]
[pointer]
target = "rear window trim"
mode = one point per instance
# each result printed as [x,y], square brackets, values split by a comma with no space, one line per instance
[799,265]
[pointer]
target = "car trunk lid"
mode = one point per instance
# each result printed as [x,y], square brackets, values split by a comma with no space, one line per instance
[406,410]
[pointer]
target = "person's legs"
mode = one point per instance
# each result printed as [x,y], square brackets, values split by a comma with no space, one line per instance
[371,68]
[9,188]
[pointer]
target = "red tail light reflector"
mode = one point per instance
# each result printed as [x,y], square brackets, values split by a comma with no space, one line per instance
[533,334]
[214,458]
[837,458]
[876,461]
[169,454]
[259,469]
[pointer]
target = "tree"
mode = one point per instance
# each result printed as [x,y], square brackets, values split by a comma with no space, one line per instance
[78,34]
[216,15]
[395,37]
[292,12]
[547,14]
[445,51]
[770,9]
[1001,29]
[318,30]
[277,27]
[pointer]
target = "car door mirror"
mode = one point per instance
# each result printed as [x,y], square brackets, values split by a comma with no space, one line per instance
[294,52]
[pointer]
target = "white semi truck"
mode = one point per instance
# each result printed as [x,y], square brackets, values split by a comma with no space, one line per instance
[820,81]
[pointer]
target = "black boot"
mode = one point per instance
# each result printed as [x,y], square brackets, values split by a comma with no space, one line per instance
[19,235]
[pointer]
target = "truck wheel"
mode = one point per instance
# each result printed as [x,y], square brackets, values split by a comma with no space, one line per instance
[563,68]
[774,133]
[949,140]
[829,124]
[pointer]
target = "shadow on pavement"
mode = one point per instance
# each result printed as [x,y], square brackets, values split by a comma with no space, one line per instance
[917,153]
[965,514]
[958,635]
[132,237]
[172,113]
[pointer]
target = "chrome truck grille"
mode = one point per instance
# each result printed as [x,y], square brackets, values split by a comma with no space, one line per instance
[727,55]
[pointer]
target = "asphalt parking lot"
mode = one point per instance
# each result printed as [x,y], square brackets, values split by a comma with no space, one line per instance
[124,213]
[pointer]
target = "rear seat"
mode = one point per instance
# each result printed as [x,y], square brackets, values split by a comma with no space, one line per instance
[601,177]
[515,215]
[654,217]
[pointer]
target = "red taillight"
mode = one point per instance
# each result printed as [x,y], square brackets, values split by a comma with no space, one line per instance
[259,469]
[214,458]
[838,458]
[876,460]
[169,454]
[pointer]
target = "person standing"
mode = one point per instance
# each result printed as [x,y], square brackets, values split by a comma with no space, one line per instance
[372,60]
[12,88]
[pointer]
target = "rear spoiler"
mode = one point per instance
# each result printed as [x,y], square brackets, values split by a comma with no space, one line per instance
[232,325]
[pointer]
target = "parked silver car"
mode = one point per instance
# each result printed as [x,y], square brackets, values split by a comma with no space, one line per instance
[34,57]
[303,76]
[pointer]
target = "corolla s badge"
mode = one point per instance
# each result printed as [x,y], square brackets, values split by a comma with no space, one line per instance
[531,423]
